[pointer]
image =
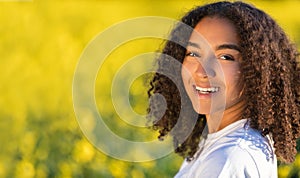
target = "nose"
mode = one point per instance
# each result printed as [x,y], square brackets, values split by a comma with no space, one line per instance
[204,70]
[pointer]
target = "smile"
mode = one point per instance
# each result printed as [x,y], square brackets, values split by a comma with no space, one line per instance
[206,90]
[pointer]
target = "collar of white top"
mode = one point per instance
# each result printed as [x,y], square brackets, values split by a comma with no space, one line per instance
[228,129]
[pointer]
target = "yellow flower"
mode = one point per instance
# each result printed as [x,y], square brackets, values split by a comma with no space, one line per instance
[84,151]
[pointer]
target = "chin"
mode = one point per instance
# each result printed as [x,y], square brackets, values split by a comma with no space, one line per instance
[202,110]
[208,110]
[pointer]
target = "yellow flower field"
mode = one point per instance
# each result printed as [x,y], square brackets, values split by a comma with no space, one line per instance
[41,44]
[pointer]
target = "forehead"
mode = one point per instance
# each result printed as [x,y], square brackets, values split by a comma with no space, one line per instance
[215,31]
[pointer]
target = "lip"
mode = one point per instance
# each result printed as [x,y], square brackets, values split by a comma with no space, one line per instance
[205,95]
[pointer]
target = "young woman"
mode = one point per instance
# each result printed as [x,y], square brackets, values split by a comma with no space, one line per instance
[239,76]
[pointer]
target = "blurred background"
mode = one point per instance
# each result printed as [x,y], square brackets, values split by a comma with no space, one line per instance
[40,44]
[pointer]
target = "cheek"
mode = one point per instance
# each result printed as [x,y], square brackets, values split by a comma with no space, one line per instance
[233,83]
[185,73]
[232,73]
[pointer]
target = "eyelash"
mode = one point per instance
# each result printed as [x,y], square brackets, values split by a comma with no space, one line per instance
[192,54]
[225,57]
[229,57]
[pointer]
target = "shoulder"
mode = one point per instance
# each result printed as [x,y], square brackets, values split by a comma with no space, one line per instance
[258,146]
[237,152]
[229,161]
[245,153]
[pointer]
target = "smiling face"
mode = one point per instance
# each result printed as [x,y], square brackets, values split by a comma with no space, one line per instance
[211,67]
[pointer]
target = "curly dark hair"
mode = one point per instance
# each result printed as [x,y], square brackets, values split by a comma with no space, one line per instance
[269,70]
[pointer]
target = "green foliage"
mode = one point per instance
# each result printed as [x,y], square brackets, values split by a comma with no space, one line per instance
[41,42]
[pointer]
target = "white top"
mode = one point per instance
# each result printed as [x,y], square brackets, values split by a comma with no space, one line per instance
[233,152]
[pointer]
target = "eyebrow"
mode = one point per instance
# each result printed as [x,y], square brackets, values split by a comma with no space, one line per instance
[220,47]
[193,44]
[229,46]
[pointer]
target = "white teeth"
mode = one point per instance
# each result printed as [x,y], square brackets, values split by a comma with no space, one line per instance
[207,90]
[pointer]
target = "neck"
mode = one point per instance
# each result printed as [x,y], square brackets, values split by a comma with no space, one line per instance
[219,120]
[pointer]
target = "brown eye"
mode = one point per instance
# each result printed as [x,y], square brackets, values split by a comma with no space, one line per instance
[192,54]
[227,57]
